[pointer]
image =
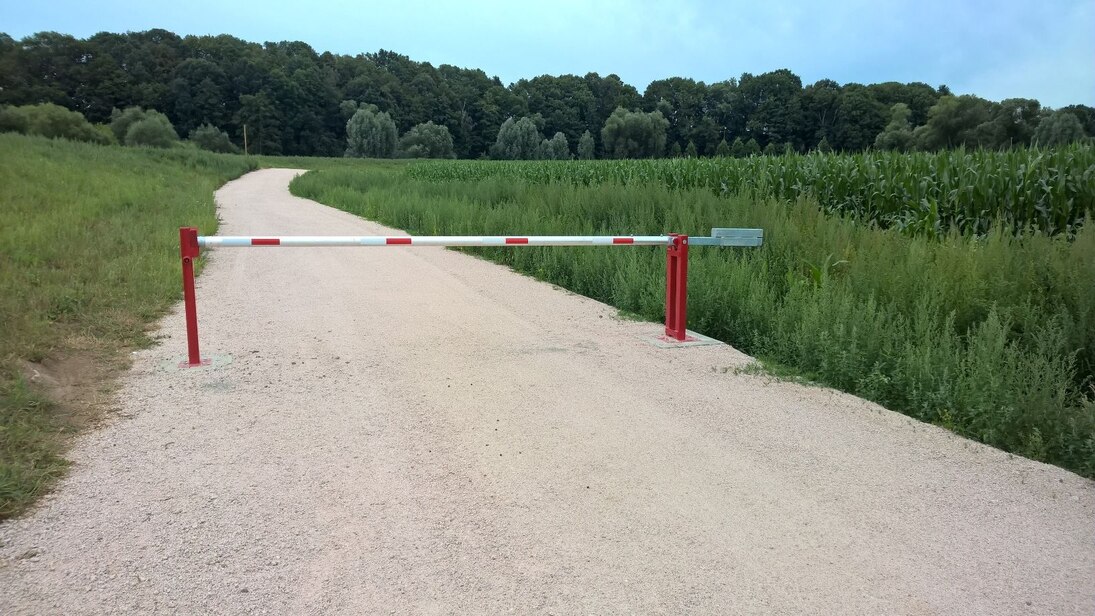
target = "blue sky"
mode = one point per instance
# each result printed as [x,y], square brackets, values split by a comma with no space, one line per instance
[1001,49]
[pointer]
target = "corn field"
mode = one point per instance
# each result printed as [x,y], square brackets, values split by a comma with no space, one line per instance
[1049,190]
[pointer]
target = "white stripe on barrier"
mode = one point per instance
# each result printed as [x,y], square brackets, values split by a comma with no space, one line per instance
[437,240]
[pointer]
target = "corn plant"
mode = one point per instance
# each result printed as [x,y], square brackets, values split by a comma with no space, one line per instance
[1050,190]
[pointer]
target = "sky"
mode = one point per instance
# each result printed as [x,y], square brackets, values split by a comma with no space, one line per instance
[1001,49]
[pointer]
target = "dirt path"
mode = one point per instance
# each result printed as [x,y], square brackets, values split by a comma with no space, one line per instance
[419,431]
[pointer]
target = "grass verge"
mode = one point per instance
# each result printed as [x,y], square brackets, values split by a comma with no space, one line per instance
[88,258]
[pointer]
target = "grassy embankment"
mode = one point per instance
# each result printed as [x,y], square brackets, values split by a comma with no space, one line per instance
[991,336]
[88,258]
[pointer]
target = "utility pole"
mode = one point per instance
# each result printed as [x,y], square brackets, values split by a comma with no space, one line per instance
[245,139]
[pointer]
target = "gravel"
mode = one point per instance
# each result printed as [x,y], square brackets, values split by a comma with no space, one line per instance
[420,431]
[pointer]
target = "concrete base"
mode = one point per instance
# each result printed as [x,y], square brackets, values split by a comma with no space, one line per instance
[692,339]
[209,362]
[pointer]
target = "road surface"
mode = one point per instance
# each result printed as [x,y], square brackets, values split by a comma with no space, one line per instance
[420,431]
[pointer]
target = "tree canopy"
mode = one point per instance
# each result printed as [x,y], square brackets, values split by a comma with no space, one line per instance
[634,134]
[517,140]
[153,129]
[50,120]
[1059,128]
[371,134]
[898,133]
[293,100]
[209,137]
[586,147]
[427,140]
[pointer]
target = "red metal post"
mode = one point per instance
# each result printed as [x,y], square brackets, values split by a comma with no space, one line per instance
[676,288]
[188,249]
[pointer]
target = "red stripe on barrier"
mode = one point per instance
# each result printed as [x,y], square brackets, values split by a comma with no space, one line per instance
[516,240]
[623,240]
[265,241]
[398,240]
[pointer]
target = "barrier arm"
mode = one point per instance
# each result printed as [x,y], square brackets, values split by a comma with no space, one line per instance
[676,270]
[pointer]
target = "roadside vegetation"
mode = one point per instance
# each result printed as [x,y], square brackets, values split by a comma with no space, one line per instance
[88,258]
[972,327]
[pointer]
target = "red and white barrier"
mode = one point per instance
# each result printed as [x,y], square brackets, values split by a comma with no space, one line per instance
[435,240]
[676,275]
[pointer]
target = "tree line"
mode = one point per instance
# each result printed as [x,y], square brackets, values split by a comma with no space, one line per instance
[296,101]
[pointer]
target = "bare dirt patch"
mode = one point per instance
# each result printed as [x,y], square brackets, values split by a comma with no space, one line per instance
[81,384]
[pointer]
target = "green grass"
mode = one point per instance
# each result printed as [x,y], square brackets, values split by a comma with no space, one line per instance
[992,336]
[30,445]
[88,258]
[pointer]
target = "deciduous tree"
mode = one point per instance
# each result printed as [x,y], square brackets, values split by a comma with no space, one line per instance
[586,147]
[738,149]
[198,94]
[952,122]
[427,140]
[1086,116]
[918,97]
[120,121]
[682,103]
[820,111]
[371,134]
[49,120]
[1015,121]
[565,104]
[859,119]
[153,130]
[1059,128]
[898,133]
[634,134]
[559,148]
[517,140]
[773,105]
[262,119]
[209,137]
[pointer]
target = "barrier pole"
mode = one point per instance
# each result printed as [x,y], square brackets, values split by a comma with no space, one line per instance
[189,250]
[676,288]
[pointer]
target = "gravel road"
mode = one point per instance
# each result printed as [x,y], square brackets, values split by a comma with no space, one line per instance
[420,431]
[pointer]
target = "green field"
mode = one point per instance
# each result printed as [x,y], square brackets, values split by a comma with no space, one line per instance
[927,193]
[990,334]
